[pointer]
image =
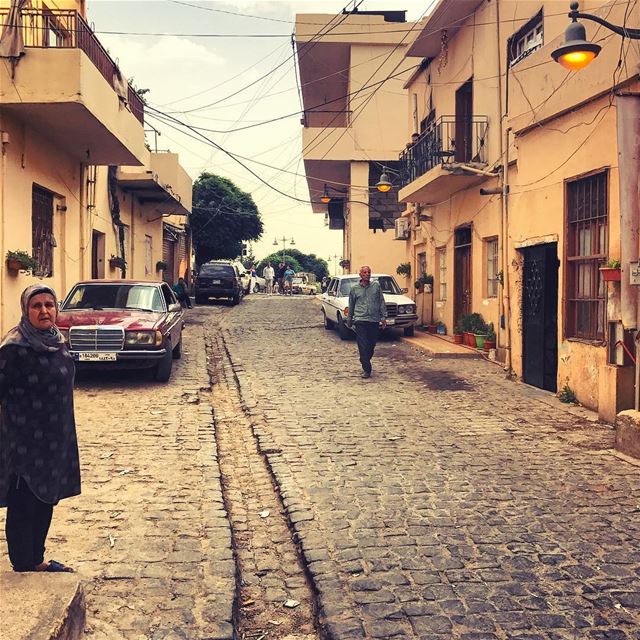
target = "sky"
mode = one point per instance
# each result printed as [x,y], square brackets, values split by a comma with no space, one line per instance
[223,83]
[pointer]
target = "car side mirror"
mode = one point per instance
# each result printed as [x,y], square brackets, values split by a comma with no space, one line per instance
[174,307]
[404,290]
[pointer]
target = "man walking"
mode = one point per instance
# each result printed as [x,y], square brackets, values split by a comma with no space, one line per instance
[367,312]
[268,274]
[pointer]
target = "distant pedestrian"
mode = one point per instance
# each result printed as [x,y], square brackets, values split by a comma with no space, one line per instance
[39,462]
[268,274]
[367,312]
[180,289]
[282,267]
[324,284]
[288,279]
[253,279]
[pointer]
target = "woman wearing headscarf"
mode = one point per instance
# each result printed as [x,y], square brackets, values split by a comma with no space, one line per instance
[39,463]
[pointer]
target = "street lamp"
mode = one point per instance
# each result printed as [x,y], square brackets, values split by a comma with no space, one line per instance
[284,241]
[576,53]
[384,184]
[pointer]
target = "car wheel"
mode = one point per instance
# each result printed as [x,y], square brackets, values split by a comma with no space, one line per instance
[409,331]
[177,350]
[162,371]
[328,325]
[256,288]
[343,331]
[236,299]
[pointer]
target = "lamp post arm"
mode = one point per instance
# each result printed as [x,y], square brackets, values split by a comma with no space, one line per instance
[626,32]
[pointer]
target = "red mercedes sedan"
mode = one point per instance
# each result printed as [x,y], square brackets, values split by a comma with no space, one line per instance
[123,323]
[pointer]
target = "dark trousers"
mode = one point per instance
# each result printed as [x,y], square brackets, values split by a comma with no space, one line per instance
[366,337]
[185,301]
[27,526]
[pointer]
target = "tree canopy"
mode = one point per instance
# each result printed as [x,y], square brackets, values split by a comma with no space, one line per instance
[299,261]
[223,217]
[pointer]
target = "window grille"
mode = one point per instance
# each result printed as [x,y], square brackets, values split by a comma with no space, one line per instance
[441,259]
[527,40]
[42,230]
[586,251]
[491,252]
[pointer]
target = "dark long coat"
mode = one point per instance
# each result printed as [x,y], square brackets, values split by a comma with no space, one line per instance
[37,424]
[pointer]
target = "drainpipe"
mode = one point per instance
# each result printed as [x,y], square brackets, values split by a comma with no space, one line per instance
[506,296]
[628,121]
[83,208]
[4,141]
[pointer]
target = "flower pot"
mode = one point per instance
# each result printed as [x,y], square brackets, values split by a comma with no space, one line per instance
[610,274]
[469,339]
[441,330]
[480,338]
[489,344]
[432,328]
[457,338]
[14,265]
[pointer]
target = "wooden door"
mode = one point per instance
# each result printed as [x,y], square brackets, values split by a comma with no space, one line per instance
[464,117]
[462,273]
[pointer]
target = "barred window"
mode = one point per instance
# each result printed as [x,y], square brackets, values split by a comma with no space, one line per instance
[441,261]
[586,250]
[491,253]
[422,264]
[42,230]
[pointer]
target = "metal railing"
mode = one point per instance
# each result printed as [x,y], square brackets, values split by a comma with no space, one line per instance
[447,140]
[66,29]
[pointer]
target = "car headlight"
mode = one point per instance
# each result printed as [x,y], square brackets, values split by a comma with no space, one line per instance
[65,334]
[143,338]
[409,308]
[401,309]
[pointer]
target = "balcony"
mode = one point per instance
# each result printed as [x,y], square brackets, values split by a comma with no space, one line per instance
[162,183]
[68,86]
[433,168]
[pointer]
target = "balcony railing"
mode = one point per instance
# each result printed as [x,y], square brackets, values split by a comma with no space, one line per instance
[447,140]
[66,29]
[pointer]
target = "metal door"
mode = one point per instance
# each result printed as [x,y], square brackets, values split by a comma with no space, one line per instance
[540,316]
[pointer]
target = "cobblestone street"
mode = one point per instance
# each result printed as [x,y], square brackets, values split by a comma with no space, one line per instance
[436,500]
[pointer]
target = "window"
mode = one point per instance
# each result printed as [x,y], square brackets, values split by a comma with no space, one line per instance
[586,249]
[42,230]
[491,253]
[148,255]
[526,40]
[441,261]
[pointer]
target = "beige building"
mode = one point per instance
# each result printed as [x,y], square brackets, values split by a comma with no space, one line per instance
[514,193]
[77,184]
[351,125]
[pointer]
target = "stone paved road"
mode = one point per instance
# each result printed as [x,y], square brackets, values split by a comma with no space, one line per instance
[438,500]
[149,535]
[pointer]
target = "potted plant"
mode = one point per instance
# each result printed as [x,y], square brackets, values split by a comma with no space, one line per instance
[480,330]
[490,340]
[404,269]
[161,265]
[424,283]
[116,262]
[345,264]
[611,271]
[457,333]
[466,326]
[21,261]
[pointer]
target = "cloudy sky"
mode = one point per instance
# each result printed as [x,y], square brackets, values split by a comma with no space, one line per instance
[222,83]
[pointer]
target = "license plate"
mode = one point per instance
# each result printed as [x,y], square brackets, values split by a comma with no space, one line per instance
[215,282]
[391,321]
[97,357]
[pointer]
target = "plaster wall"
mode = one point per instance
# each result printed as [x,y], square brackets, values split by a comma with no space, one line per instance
[537,214]
[27,159]
[379,250]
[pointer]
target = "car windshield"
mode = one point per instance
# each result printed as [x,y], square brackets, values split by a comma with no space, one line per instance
[298,281]
[209,270]
[114,296]
[387,284]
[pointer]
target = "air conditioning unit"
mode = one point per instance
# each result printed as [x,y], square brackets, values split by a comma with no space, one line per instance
[402,228]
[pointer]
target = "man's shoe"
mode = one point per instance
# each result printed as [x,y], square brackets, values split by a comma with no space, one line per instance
[365,374]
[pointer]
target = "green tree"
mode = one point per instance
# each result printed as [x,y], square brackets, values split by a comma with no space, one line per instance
[223,216]
[305,262]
